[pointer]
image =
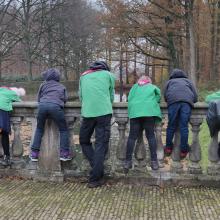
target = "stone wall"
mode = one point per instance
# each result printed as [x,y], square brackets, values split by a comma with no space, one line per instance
[50,168]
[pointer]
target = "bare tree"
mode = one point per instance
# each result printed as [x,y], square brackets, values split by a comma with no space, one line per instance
[9,33]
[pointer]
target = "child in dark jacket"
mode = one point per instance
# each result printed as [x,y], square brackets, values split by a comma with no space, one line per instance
[213,115]
[52,96]
[180,95]
[7,96]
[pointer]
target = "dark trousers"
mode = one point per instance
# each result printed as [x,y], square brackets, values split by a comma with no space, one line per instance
[96,156]
[178,116]
[5,142]
[137,125]
[56,113]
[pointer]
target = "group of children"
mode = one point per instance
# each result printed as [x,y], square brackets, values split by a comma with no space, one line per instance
[143,111]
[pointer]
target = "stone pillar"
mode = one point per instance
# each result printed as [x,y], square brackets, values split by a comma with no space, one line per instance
[108,163]
[160,147]
[49,165]
[195,151]
[33,123]
[17,146]
[70,166]
[140,151]
[214,166]
[70,123]
[49,150]
[121,148]
[176,165]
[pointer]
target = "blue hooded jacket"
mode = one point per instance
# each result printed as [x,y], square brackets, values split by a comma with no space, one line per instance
[179,89]
[51,90]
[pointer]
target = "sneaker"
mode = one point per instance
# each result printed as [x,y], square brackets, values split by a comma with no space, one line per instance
[96,184]
[34,155]
[154,165]
[6,161]
[127,165]
[65,155]
[168,151]
[183,154]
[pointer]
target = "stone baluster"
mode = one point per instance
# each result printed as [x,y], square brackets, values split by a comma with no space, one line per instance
[160,147]
[176,165]
[49,165]
[33,123]
[121,148]
[85,165]
[214,166]
[17,146]
[71,165]
[195,148]
[71,123]
[140,151]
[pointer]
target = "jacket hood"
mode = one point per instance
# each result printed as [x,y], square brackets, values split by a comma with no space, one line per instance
[177,73]
[51,74]
[99,65]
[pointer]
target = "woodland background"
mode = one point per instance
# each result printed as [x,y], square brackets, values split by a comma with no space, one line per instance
[134,36]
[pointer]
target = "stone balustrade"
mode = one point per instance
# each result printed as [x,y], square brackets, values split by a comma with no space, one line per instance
[49,167]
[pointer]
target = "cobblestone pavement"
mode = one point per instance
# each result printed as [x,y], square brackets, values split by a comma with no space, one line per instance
[21,199]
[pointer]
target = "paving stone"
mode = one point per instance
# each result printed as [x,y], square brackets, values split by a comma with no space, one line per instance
[21,199]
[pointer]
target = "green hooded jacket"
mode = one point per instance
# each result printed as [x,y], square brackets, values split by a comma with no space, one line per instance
[213,96]
[144,101]
[96,93]
[7,96]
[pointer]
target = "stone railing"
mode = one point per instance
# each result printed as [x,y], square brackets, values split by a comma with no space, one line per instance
[49,166]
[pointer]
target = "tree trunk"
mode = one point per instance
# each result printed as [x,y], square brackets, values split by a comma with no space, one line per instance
[135,62]
[30,75]
[121,72]
[172,51]
[146,61]
[192,45]
[217,54]
[213,42]
[126,63]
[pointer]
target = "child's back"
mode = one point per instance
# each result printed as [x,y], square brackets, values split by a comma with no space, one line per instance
[51,90]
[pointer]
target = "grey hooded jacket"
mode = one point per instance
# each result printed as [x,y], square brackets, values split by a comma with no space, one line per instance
[179,89]
[51,90]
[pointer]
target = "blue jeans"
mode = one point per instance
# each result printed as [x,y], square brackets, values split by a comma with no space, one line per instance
[137,125]
[56,113]
[178,116]
[96,156]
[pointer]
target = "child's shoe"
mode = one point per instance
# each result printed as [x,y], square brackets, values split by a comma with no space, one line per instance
[127,165]
[6,161]
[168,151]
[34,155]
[183,154]
[154,165]
[65,155]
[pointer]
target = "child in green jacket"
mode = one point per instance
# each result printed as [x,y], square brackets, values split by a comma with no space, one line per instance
[7,96]
[143,111]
